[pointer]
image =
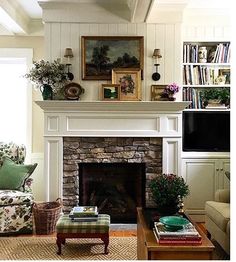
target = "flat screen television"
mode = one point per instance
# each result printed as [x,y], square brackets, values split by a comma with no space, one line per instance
[206,131]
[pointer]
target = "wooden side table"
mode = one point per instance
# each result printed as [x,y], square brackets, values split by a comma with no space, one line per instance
[149,249]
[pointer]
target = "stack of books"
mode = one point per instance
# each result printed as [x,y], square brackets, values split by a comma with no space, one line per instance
[186,236]
[84,214]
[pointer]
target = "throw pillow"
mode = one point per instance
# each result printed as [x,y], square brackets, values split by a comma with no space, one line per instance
[13,176]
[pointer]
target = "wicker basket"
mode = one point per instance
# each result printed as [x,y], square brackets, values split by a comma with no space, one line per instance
[46,215]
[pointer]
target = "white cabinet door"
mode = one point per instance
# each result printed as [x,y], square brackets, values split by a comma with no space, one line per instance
[224,166]
[200,175]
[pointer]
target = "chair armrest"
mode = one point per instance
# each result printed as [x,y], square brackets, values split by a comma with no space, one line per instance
[222,195]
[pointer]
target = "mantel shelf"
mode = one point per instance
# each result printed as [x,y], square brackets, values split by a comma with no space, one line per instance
[114,106]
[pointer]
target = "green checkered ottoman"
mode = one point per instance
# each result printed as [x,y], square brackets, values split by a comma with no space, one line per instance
[66,228]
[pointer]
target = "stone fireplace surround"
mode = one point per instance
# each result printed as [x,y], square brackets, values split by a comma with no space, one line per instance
[146,119]
[78,150]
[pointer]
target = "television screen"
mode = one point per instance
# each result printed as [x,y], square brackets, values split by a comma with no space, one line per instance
[206,131]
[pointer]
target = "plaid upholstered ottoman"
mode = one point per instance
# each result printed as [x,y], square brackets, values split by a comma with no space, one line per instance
[66,228]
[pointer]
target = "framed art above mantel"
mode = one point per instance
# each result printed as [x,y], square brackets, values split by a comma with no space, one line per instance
[100,54]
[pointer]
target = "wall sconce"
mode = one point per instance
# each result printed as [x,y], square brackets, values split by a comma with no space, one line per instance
[69,54]
[156,55]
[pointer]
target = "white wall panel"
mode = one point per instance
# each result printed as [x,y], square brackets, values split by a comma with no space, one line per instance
[207,32]
[62,35]
[56,49]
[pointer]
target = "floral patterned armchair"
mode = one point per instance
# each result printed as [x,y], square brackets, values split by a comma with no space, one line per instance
[15,205]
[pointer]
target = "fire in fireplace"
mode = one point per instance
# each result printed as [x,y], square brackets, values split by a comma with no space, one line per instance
[116,189]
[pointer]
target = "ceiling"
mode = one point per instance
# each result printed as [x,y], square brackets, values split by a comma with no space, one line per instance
[24,17]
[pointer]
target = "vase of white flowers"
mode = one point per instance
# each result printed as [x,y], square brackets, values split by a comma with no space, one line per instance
[48,77]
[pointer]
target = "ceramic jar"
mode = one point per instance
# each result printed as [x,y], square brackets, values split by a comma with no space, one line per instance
[202,54]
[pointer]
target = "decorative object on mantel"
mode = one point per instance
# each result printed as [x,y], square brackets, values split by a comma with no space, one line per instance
[157,56]
[170,91]
[110,92]
[130,81]
[69,54]
[157,93]
[167,191]
[72,91]
[100,54]
[49,77]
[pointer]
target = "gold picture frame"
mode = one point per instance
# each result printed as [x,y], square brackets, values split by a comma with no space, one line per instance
[156,93]
[110,92]
[100,54]
[129,80]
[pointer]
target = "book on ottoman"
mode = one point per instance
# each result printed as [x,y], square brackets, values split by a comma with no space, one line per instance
[84,213]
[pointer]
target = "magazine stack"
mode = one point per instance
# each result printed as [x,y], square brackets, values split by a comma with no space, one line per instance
[84,214]
[188,235]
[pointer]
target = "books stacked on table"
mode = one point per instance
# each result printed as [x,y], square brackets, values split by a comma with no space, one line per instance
[84,214]
[188,235]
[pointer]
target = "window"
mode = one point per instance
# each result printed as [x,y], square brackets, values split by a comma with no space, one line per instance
[15,96]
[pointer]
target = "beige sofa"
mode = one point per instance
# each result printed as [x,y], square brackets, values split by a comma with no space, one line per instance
[218,218]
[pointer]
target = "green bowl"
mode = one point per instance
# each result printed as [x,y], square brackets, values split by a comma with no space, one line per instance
[173,223]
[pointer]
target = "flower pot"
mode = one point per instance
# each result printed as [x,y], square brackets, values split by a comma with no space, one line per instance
[168,210]
[47,92]
[171,97]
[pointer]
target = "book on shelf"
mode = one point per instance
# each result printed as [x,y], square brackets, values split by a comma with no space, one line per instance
[179,241]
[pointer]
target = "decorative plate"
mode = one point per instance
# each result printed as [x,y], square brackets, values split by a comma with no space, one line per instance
[73,91]
[173,222]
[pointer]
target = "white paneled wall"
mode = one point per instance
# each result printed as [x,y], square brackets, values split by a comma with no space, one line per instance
[206,32]
[166,37]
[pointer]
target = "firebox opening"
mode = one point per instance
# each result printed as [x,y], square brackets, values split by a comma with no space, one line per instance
[116,189]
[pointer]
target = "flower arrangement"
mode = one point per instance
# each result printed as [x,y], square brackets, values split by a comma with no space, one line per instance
[48,73]
[171,89]
[167,189]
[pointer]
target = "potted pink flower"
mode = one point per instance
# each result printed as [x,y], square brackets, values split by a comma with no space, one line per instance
[171,90]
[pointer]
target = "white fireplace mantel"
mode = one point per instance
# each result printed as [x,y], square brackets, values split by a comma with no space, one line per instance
[108,119]
[107,106]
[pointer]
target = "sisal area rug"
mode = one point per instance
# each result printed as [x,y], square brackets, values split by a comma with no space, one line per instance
[45,248]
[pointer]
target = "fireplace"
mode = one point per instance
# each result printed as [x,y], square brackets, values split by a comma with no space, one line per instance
[67,123]
[116,189]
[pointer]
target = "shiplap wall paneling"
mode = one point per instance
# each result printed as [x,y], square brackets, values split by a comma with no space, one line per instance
[169,53]
[142,31]
[62,35]
[57,50]
[206,33]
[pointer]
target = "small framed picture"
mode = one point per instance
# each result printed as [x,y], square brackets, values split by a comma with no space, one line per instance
[129,80]
[157,93]
[110,92]
[226,73]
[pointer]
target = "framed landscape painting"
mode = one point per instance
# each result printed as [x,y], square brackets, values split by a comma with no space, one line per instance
[110,92]
[100,54]
[157,93]
[129,80]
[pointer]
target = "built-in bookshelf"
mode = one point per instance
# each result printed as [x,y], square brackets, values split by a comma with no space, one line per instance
[206,65]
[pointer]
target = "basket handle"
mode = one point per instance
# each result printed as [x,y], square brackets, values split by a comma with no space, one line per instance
[35,205]
[59,200]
